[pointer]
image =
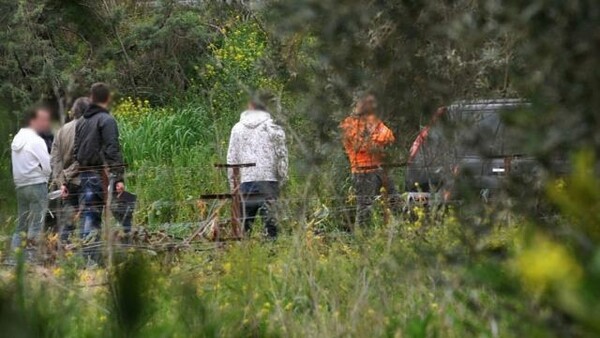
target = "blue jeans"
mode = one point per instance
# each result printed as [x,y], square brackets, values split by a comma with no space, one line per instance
[262,205]
[32,204]
[92,201]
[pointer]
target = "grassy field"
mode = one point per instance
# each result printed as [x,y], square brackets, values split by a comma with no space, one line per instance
[403,280]
[424,274]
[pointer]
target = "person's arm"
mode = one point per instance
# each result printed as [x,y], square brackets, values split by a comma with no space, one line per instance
[281,152]
[112,149]
[69,173]
[39,149]
[76,142]
[56,162]
[382,135]
[232,155]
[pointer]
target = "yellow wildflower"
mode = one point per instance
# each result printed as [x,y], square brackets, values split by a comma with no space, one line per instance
[57,272]
[227,267]
[546,263]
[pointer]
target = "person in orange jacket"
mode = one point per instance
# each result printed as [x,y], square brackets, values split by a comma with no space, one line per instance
[365,137]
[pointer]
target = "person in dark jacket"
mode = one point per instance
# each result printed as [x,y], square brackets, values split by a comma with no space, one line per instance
[97,148]
[48,138]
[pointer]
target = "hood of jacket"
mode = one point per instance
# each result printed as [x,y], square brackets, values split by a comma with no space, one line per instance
[94,109]
[254,118]
[22,138]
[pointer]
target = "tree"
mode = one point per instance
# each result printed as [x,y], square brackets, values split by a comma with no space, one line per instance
[408,53]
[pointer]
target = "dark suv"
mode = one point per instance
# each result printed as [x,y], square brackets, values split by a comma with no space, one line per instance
[468,141]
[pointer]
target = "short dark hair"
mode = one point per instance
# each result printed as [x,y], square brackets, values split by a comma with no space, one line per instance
[100,93]
[79,106]
[260,100]
[32,114]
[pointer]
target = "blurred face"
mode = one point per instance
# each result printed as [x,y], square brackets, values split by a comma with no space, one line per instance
[367,105]
[42,121]
[370,104]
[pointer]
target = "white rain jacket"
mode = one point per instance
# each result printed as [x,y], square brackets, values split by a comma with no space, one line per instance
[30,158]
[257,139]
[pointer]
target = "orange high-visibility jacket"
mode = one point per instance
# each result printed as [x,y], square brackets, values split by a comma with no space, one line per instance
[364,139]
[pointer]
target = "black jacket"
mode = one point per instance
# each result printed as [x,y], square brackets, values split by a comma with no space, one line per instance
[49,139]
[97,141]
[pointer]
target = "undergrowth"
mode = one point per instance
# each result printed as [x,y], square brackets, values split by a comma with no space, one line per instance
[393,281]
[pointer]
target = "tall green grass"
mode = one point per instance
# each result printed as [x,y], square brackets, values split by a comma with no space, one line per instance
[159,136]
[171,156]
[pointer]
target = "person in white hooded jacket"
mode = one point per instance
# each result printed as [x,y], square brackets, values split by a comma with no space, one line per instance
[257,139]
[31,170]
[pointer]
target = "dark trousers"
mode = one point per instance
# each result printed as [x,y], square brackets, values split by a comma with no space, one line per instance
[68,213]
[122,209]
[92,202]
[368,186]
[263,203]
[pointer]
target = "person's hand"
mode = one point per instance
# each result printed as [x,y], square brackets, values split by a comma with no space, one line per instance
[64,192]
[120,188]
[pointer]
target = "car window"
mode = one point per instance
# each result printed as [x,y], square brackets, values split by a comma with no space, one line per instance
[514,139]
[477,133]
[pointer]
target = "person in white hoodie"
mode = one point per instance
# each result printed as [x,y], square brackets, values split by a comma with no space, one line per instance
[31,170]
[257,139]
